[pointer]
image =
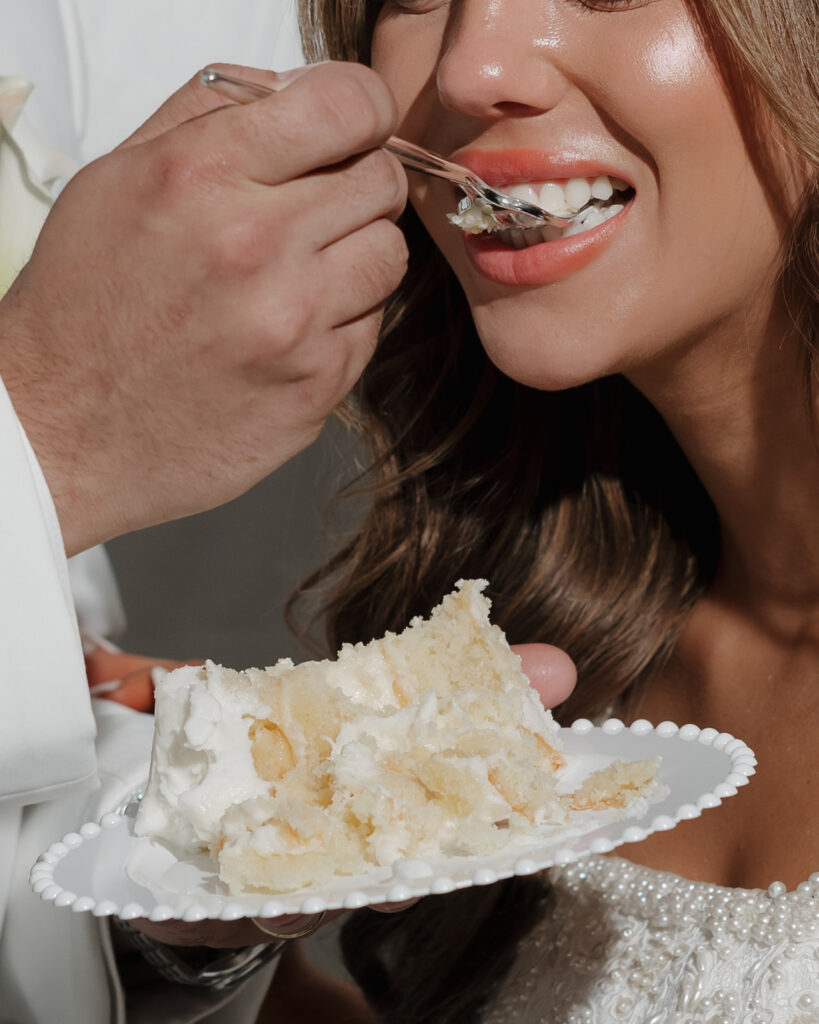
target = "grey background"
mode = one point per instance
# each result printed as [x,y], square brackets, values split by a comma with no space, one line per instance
[215,585]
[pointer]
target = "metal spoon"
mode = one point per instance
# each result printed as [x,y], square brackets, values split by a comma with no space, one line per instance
[504,210]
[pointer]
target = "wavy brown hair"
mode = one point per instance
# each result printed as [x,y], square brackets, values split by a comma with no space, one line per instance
[578,506]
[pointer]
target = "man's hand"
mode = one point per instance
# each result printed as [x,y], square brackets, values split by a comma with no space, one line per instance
[200,299]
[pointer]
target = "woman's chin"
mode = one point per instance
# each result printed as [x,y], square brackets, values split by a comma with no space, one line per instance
[545,364]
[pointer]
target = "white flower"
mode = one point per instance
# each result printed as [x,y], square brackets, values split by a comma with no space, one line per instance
[28,167]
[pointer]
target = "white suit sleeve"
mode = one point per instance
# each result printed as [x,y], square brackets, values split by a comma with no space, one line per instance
[47,728]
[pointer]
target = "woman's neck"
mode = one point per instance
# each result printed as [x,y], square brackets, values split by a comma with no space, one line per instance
[738,407]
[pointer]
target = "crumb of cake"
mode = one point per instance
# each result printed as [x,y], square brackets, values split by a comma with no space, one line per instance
[555,758]
[473,217]
[614,786]
[271,751]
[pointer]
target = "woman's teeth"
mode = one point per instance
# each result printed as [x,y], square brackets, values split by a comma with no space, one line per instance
[591,218]
[564,199]
[598,195]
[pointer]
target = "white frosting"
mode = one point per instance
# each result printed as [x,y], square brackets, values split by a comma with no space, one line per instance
[199,727]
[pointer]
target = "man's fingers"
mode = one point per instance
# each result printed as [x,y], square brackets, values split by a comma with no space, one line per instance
[326,115]
[550,670]
[195,99]
[333,112]
[373,261]
[333,202]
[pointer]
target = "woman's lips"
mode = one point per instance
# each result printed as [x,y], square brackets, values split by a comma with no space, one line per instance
[543,263]
[503,167]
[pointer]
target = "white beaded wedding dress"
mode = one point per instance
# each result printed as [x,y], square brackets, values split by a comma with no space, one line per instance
[621,942]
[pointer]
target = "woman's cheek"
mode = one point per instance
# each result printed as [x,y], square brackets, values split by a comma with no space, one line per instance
[674,60]
[405,51]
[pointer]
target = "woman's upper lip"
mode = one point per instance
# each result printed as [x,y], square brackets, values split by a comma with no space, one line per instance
[503,167]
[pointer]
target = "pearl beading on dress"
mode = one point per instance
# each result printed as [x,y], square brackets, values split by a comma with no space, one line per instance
[620,942]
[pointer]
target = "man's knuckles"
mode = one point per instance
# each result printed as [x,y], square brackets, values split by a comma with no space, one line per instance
[381,265]
[376,177]
[348,100]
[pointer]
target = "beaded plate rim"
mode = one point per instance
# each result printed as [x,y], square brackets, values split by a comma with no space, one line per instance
[741,767]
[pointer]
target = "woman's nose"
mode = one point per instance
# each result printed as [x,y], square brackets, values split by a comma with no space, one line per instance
[501,58]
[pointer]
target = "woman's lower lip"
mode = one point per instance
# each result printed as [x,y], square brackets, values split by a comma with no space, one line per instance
[544,263]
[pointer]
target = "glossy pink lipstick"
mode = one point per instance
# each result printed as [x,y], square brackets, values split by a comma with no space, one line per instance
[544,262]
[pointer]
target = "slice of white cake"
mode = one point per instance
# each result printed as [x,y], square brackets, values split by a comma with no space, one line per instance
[428,742]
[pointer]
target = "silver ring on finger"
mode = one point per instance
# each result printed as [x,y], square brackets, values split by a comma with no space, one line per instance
[308,930]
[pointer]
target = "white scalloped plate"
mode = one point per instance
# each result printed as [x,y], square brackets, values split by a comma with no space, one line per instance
[104,868]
